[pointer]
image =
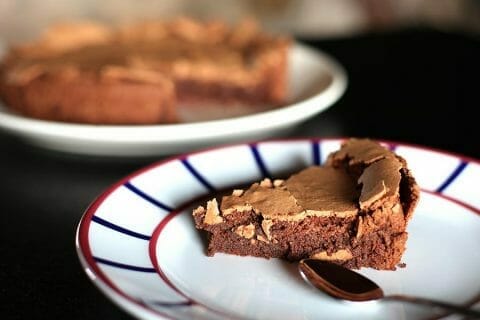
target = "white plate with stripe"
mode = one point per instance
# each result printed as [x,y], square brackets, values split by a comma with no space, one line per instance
[138,244]
[315,82]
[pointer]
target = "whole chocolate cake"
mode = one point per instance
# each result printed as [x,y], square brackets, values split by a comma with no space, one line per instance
[140,73]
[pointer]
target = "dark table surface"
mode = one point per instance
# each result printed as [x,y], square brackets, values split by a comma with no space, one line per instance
[417,86]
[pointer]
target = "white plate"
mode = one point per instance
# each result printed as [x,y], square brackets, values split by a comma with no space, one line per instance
[138,244]
[316,82]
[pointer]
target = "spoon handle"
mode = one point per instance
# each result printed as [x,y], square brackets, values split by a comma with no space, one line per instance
[433,303]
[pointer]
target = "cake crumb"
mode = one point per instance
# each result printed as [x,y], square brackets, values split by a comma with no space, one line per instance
[262,238]
[198,211]
[266,183]
[237,192]
[266,225]
[278,183]
[402,265]
[213,213]
[247,231]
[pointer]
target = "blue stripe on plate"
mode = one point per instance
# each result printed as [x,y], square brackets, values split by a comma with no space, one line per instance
[171,304]
[115,227]
[317,156]
[123,266]
[198,176]
[452,177]
[259,161]
[145,196]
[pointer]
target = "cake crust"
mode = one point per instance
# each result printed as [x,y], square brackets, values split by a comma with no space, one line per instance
[354,210]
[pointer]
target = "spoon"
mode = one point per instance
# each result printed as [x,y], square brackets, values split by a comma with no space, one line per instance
[346,284]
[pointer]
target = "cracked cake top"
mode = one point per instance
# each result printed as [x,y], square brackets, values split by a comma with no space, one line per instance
[362,176]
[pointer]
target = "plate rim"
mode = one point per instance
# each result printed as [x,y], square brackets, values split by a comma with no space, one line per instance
[125,302]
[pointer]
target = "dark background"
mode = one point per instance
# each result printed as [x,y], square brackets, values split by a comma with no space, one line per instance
[416,85]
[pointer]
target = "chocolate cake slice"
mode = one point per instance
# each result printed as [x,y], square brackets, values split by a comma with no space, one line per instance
[354,211]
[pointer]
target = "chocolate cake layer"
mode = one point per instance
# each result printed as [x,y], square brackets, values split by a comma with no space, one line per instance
[353,211]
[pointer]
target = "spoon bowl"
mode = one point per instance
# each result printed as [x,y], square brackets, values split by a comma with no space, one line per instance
[343,283]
